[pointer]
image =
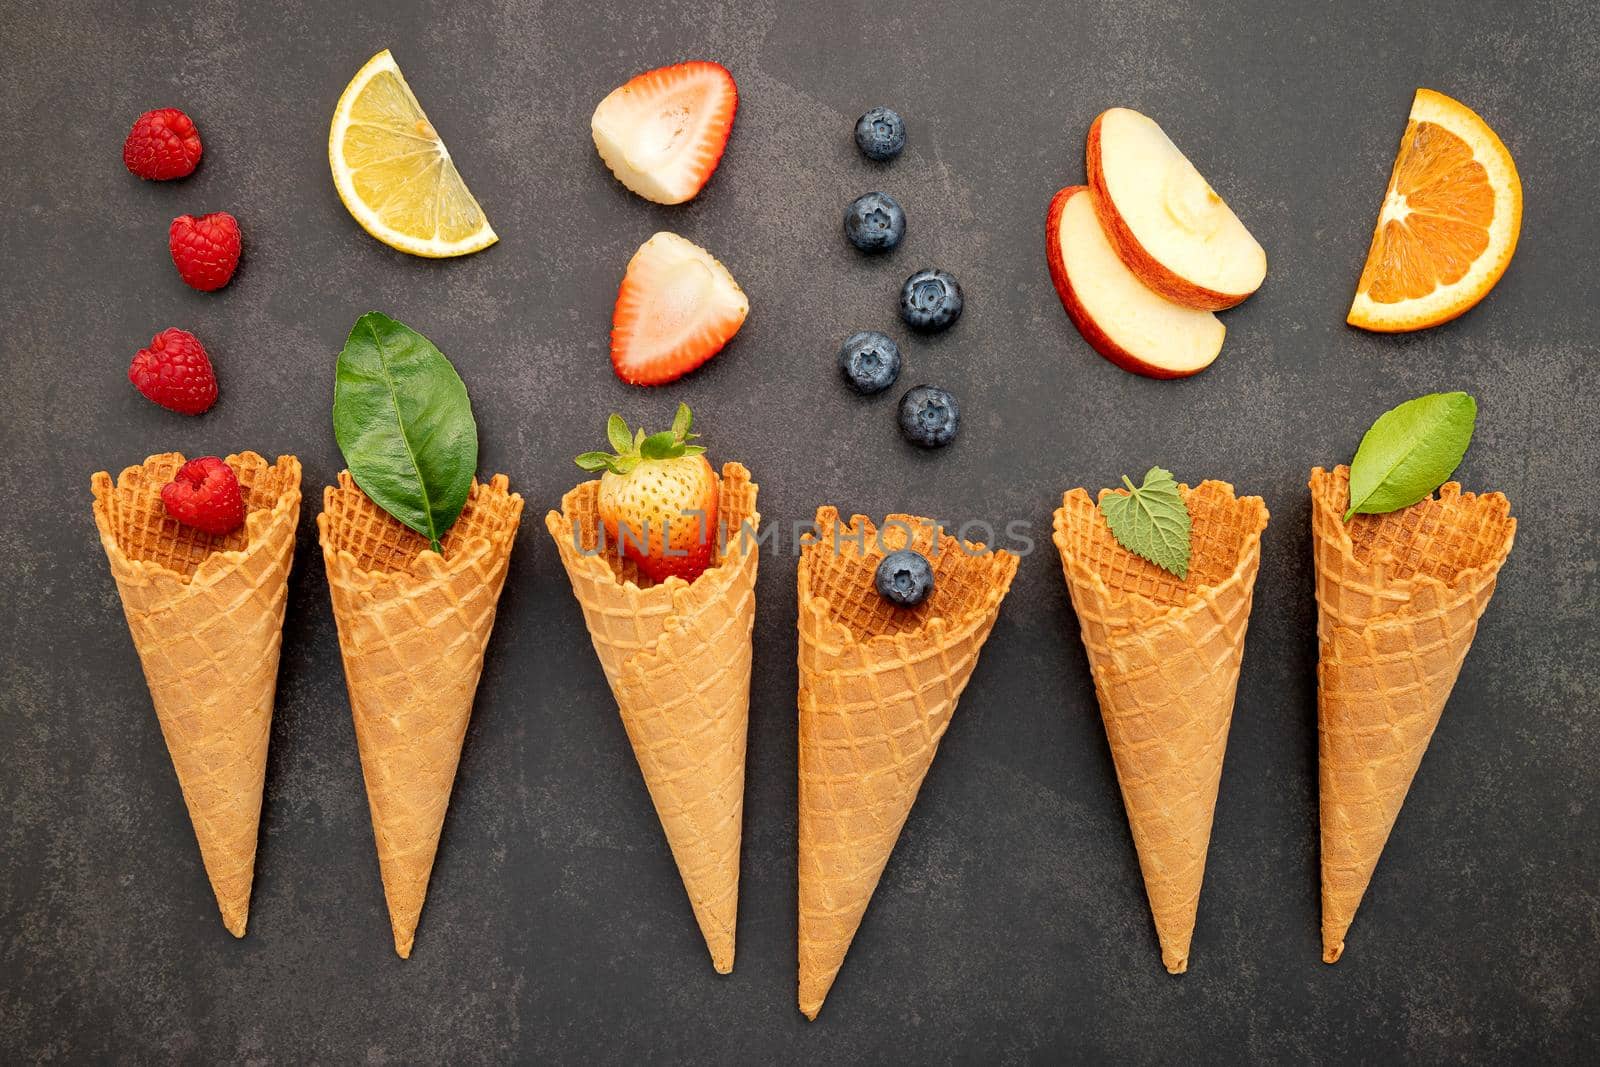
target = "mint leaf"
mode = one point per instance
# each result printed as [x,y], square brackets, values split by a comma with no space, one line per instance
[1151,520]
[1409,452]
[404,423]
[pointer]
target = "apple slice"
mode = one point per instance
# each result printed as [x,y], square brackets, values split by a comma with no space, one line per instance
[1122,318]
[1168,225]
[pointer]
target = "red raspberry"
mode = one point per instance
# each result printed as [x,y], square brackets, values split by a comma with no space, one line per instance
[175,372]
[205,495]
[205,249]
[163,144]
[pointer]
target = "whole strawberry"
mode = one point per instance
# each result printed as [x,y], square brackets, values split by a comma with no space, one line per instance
[658,498]
[205,250]
[205,494]
[175,372]
[163,144]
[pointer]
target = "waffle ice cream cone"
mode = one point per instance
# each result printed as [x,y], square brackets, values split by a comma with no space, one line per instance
[413,626]
[677,656]
[1398,602]
[1165,656]
[206,616]
[878,686]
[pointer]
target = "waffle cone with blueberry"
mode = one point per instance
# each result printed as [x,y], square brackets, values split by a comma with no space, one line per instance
[1165,656]
[206,616]
[878,686]
[1399,596]
[676,653]
[413,626]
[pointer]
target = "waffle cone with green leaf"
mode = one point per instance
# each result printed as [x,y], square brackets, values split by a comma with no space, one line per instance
[878,687]
[416,550]
[413,626]
[1399,596]
[1164,651]
[206,616]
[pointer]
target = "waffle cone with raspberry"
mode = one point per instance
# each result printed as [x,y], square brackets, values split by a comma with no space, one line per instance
[1398,602]
[878,687]
[206,616]
[413,626]
[677,657]
[1165,656]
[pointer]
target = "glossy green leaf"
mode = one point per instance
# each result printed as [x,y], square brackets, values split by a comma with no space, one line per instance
[404,423]
[1409,452]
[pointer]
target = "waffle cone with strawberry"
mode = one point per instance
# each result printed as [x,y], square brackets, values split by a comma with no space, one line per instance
[878,686]
[205,611]
[1399,596]
[669,600]
[1165,653]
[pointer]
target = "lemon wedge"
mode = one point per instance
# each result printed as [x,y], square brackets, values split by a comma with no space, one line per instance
[393,172]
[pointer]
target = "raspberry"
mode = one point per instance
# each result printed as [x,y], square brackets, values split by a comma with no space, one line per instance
[163,144]
[175,372]
[205,250]
[205,494]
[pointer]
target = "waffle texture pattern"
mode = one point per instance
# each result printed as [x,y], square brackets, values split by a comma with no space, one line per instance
[206,616]
[413,625]
[1398,602]
[878,686]
[677,657]
[1165,656]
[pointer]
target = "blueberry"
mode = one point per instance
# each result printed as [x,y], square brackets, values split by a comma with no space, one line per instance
[930,300]
[929,416]
[880,134]
[869,361]
[904,578]
[874,222]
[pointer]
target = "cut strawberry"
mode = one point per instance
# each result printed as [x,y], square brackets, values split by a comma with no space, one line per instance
[663,132]
[676,308]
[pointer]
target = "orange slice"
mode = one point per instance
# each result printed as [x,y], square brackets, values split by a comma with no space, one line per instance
[1449,222]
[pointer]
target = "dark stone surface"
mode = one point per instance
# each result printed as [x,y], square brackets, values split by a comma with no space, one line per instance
[1011,922]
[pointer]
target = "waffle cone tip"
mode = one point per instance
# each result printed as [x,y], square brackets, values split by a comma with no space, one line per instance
[1332,950]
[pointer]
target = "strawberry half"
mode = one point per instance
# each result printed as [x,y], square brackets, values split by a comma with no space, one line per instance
[676,308]
[658,498]
[663,132]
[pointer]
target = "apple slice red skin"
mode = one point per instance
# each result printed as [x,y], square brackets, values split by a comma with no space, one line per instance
[1098,339]
[1145,267]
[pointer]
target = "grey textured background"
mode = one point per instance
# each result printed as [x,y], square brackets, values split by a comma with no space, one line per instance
[1011,922]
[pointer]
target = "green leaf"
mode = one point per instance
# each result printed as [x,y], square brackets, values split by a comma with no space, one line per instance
[1151,520]
[617,433]
[1409,452]
[681,422]
[663,445]
[404,423]
[694,450]
[594,461]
